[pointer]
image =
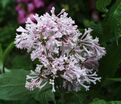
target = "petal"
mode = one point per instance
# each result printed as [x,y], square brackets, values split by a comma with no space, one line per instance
[21,29]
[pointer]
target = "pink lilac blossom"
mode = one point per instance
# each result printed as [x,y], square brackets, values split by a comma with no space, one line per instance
[63,52]
[25,8]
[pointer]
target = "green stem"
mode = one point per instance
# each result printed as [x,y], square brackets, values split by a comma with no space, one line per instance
[62,97]
[6,53]
[62,94]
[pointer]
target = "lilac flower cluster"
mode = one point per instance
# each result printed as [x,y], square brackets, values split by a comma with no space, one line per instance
[63,52]
[26,8]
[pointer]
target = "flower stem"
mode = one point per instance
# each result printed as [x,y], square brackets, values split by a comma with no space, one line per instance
[62,97]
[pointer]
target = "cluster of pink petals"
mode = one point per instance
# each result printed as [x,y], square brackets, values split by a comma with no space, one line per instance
[26,8]
[63,52]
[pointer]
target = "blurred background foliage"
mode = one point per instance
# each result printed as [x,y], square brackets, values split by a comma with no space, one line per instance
[103,16]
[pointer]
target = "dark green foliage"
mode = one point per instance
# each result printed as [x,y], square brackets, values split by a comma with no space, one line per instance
[112,60]
[99,101]
[102,5]
[112,22]
[4,3]
[45,96]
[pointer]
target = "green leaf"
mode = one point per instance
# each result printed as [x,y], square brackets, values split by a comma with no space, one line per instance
[12,85]
[5,3]
[1,58]
[18,63]
[23,101]
[114,79]
[97,31]
[115,102]
[111,61]
[99,101]
[112,22]
[45,95]
[75,97]
[7,32]
[101,5]
[12,88]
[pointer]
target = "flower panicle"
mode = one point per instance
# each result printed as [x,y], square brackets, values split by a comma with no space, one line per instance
[63,52]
